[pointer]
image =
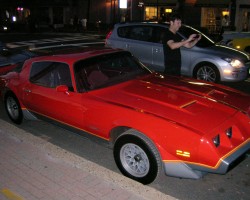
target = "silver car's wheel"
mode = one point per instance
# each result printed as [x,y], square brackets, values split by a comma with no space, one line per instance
[134,160]
[13,108]
[207,72]
[137,157]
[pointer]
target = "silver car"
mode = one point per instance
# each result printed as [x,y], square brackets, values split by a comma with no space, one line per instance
[205,61]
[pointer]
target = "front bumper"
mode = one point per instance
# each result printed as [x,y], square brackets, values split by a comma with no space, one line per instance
[230,74]
[236,75]
[196,170]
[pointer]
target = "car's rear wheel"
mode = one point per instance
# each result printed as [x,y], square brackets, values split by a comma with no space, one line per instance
[137,157]
[13,108]
[207,72]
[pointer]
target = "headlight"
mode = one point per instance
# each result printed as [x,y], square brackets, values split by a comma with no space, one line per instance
[229,132]
[234,62]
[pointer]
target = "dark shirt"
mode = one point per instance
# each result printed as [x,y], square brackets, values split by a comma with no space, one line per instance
[172,56]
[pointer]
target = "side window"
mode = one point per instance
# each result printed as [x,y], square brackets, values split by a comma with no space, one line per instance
[50,74]
[158,34]
[124,31]
[142,33]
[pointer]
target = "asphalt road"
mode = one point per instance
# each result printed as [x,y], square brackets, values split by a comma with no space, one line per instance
[233,185]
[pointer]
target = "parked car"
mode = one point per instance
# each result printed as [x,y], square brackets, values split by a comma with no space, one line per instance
[205,61]
[242,44]
[230,35]
[8,68]
[9,58]
[152,121]
[237,40]
[4,27]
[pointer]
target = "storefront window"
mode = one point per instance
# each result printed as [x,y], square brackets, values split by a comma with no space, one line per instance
[150,13]
[213,19]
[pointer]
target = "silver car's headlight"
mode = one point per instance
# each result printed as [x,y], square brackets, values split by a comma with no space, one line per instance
[234,62]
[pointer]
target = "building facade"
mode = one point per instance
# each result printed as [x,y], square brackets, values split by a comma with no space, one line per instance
[210,14]
[242,18]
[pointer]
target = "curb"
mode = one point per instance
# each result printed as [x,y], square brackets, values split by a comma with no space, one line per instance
[60,155]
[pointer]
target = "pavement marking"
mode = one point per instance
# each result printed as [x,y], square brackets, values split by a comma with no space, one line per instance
[11,195]
[46,41]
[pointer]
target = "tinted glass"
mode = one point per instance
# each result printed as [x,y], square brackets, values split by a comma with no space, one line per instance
[50,74]
[205,40]
[142,33]
[107,70]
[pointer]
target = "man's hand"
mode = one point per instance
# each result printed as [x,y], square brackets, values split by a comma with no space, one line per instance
[194,37]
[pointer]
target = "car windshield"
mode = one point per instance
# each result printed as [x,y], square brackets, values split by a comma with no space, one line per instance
[186,31]
[106,70]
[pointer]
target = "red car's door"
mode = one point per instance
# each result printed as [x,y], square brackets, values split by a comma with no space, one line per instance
[60,106]
[41,94]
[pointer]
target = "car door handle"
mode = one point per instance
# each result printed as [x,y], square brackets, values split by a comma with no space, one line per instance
[157,50]
[126,46]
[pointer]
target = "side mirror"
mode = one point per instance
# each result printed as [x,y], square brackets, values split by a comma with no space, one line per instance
[63,88]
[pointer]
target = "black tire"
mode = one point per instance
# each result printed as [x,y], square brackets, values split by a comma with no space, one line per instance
[137,157]
[247,49]
[13,108]
[229,43]
[207,72]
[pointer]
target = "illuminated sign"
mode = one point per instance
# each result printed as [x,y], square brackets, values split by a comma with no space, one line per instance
[123,4]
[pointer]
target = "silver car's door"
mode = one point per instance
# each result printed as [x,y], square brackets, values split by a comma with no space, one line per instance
[158,62]
[138,43]
[157,57]
[142,50]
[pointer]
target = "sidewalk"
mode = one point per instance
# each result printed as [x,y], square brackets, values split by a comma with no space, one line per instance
[34,169]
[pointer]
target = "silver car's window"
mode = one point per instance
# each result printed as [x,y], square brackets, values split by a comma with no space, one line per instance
[141,33]
[205,41]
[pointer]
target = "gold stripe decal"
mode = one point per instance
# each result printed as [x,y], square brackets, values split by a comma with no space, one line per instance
[183,153]
[187,104]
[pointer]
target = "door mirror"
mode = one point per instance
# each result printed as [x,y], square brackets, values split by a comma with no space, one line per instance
[63,88]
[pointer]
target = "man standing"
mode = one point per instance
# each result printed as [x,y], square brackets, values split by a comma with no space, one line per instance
[172,43]
[84,24]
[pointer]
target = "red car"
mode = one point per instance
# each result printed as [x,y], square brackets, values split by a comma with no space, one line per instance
[10,58]
[152,121]
[6,69]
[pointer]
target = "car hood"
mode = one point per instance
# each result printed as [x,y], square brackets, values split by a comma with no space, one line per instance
[188,102]
[228,52]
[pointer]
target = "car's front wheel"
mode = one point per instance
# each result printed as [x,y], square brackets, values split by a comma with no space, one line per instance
[247,49]
[207,72]
[13,108]
[137,157]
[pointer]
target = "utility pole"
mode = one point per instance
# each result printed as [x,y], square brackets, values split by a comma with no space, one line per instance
[232,13]
[88,11]
[157,10]
[180,6]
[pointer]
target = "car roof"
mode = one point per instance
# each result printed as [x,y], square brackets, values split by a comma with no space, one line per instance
[153,23]
[72,53]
